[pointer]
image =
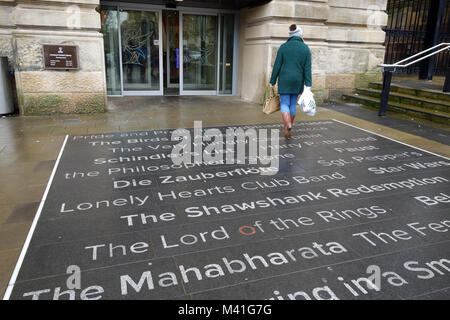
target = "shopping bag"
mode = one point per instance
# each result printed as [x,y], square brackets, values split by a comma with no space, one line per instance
[307,102]
[272,103]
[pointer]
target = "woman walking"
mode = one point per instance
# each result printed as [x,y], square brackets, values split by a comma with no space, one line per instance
[293,69]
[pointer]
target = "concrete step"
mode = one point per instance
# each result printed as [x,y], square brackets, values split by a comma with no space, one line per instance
[400,98]
[432,115]
[435,95]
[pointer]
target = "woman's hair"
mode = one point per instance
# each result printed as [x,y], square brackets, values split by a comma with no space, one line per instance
[293,27]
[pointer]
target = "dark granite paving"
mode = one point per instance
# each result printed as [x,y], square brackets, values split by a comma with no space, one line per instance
[412,127]
[348,215]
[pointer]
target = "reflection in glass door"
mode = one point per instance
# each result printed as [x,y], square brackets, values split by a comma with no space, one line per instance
[111,45]
[226,54]
[173,51]
[199,54]
[139,32]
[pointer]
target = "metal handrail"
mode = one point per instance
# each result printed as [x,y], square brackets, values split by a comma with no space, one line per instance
[389,68]
[397,64]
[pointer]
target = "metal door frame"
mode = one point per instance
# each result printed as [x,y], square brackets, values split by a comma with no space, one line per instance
[170,85]
[160,51]
[184,92]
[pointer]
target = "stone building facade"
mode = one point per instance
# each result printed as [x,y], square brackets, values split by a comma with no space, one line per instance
[25,26]
[345,37]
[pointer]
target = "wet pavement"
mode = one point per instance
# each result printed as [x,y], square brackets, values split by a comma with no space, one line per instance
[29,147]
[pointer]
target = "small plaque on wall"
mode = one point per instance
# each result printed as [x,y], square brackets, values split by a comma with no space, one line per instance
[60,57]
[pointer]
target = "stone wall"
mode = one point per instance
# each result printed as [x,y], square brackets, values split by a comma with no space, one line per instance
[345,38]
[6,28]
[65,22]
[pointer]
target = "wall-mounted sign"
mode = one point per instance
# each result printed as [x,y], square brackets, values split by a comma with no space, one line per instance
[60,57]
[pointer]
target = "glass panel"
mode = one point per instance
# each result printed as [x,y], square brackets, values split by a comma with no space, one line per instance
[173,48]
[111,40]
[140,50]
[199,52]
[226,54]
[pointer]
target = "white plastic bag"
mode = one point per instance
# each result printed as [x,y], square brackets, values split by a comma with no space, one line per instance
[307,102]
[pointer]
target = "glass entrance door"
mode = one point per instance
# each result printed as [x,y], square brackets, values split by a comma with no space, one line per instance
[198,44]
[172,47]
[200,51]
[226,53]
[111,45]
[140,52]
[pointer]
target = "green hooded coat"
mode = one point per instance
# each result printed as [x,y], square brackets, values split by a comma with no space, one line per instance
[292,67]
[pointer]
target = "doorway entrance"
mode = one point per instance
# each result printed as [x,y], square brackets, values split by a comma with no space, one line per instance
[157,51]
[139,36]
[199,53]
[171,33]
